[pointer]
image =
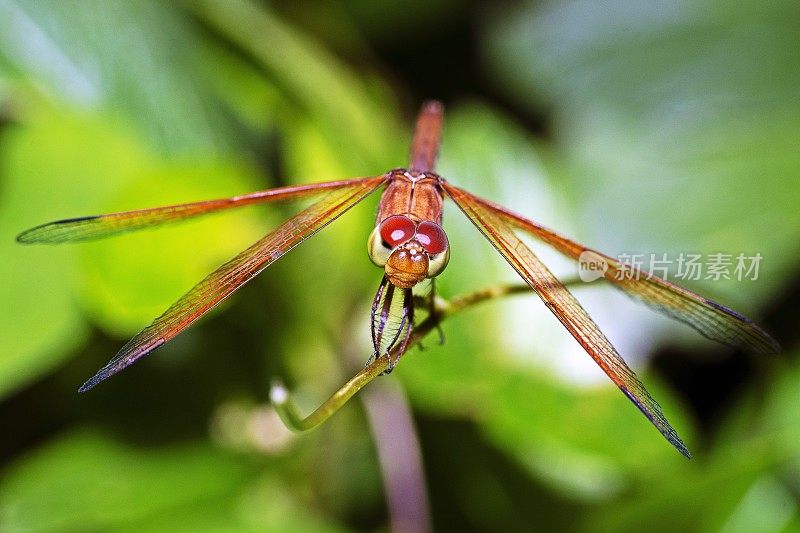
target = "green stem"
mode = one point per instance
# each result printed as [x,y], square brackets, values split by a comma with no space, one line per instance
[281,397]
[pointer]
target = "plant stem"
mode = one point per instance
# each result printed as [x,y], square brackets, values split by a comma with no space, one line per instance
[281,397]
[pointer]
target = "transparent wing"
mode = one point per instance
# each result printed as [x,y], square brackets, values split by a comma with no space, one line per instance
[566,308]
[229,277]
[709,318]
[99,226]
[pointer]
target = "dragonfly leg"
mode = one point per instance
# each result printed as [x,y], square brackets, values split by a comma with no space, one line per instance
[407,325]
[392,320]
[428,301]
[376,319]
[432,311]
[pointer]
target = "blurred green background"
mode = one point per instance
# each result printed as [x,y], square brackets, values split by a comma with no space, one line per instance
[653,127]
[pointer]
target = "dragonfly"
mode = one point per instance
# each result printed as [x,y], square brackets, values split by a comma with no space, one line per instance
[410,245]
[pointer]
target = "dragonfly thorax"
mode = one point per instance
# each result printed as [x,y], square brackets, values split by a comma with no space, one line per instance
[409,251]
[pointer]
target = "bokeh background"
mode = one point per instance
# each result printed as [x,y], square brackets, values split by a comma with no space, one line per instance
[651,127]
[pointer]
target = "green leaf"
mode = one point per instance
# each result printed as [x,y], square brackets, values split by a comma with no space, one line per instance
[88,481]
[678,121]
[351,113]
[781,419]
[129,280]
[44,326]
[123,282]
[39,327]
[140,59]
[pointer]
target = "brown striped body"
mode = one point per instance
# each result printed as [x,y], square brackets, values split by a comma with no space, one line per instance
[416,192]
[415,195]
[427,137]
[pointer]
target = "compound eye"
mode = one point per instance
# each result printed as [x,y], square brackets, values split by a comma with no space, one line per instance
[396,230]
[378,250]
[432,237]
[437,263]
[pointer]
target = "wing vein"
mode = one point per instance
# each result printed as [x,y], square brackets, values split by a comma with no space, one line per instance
[565,307]
[232,275]
[709,318]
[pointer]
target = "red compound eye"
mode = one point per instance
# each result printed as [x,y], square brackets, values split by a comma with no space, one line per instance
[432,237]
[397,229]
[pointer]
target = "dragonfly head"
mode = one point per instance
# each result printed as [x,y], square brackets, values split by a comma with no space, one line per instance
[409,251]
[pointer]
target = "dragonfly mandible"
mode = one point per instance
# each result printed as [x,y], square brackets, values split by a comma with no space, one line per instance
[409,243]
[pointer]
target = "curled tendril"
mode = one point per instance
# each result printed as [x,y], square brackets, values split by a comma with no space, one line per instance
[440,309]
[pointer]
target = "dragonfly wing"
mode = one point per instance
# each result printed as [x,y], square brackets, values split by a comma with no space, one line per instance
[709,318]
[566,308]
[229,277]
[99,226]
